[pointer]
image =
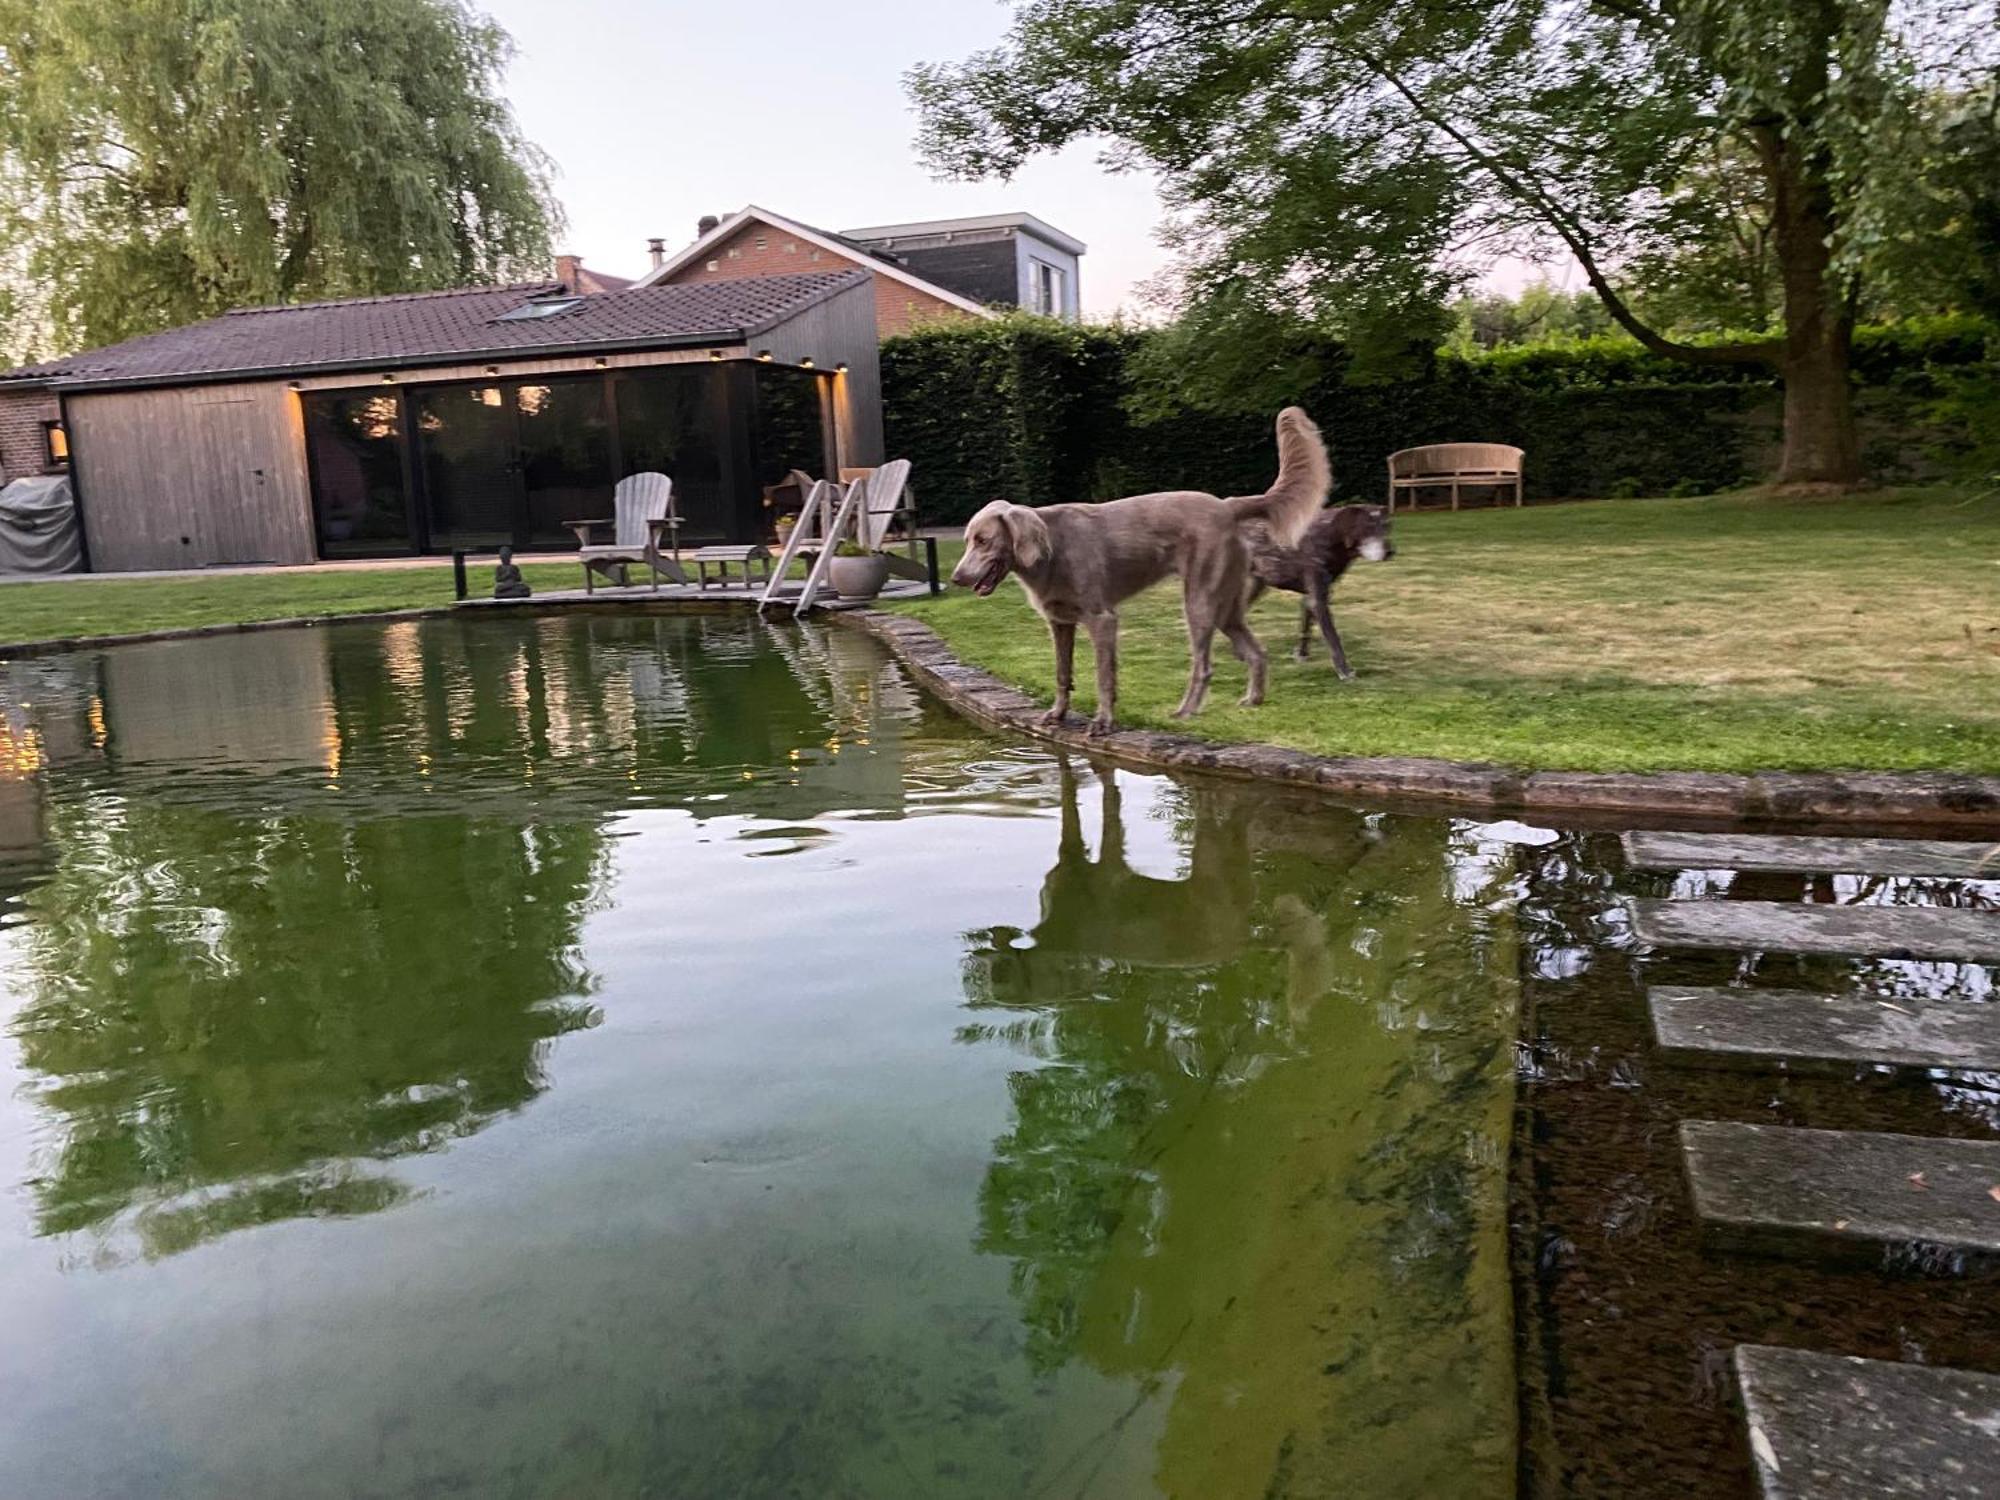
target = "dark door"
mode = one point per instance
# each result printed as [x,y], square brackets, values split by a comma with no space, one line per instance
[472,465]
[565,449]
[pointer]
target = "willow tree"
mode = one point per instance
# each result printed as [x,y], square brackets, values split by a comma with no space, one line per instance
[1335,155]
[161,160]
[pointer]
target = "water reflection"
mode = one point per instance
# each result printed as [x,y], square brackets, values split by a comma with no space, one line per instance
[663,1055]
[249,977]
[1261,1148]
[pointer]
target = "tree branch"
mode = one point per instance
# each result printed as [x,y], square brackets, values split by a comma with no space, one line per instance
[1572,235]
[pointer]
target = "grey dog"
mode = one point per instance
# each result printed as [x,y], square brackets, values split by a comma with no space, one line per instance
[1080,562]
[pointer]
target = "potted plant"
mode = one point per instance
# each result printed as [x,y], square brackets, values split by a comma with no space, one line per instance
[856,572]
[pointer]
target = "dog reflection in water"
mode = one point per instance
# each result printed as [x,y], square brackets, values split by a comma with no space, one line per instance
[1100,916]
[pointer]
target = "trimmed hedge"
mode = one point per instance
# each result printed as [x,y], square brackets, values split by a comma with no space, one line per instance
[1036,411]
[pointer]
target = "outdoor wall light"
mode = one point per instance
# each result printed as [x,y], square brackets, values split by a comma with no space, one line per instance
[764,355]
[492,369]
[602,361]
[388,379]
[715,354]
[805,364]
[295,385]
[840,369]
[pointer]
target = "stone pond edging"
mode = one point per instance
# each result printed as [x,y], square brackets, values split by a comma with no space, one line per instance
[1876,797]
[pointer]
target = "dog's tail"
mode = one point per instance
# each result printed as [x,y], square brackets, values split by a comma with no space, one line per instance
[1305,475]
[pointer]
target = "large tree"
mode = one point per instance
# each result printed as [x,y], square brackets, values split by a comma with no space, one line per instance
[1344,155]
[161,160]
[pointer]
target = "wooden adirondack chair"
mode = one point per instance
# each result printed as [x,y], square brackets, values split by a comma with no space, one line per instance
[887,517]
[643,510]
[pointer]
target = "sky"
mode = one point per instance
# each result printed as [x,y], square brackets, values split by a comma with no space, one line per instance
[659,113]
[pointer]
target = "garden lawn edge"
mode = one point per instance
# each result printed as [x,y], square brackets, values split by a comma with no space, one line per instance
[1889,799]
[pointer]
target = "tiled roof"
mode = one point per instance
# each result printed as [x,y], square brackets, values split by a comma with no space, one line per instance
[603,281]
[439,327]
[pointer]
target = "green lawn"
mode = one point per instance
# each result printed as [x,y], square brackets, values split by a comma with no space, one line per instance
[1729,633]
[120,606]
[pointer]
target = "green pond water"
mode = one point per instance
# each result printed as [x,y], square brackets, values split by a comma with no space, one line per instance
[669,1057]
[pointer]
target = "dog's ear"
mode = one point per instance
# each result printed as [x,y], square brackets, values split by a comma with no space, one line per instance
[1029,534]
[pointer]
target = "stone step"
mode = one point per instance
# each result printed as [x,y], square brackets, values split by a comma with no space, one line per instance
[1780,852]
[1767,1185]
[1766,1028]
[1947,932]
[1831,1427]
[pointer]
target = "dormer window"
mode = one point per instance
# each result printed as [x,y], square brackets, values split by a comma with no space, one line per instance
[538,307]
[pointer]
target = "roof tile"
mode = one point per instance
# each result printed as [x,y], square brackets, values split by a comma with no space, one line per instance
[461,323]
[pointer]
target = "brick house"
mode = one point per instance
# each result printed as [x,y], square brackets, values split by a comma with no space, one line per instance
[32,440]
[922,273]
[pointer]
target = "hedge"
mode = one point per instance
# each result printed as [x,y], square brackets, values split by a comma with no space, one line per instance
[1036,411]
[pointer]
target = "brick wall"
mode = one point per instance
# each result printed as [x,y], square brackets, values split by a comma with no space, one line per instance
[759,250]
[23,449]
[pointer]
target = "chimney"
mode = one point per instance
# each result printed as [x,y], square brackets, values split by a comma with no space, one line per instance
[569,271]
[706,223]
[658,250]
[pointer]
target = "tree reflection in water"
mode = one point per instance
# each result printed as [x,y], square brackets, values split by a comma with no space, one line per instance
[306,902]
[1259,1161]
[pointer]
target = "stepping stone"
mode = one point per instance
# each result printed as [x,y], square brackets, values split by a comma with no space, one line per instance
[1779,852]
[1829,1427]
[1763,1028]
[1950,932]
[1768,1184]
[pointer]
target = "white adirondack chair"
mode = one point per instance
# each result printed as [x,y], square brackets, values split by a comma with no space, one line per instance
[642,510]
[886,511]
[885,502]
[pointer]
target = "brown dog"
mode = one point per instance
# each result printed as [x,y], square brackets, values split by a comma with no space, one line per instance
[1336,537]
[1080,562]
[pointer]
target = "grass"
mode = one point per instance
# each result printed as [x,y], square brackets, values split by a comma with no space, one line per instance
[1727,633]
[121,606]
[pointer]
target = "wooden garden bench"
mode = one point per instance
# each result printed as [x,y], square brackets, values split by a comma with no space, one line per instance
[1452,465]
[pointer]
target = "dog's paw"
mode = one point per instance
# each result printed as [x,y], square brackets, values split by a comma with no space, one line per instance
[1102,724]
[1053,717]
[1250,700]
[1346,674]
[1301,654]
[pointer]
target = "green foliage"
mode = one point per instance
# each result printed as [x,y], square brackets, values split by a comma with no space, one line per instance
[162,160]
[1038,413]
[1540,314]
[1338,160]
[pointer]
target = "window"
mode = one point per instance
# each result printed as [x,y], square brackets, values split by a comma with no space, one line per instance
[1045,289]
[763,242]
[715,265]
[734,253]
[791,247]
[540,307]
[55,445]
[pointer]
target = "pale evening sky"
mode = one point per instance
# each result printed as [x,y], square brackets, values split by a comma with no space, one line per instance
[659,113]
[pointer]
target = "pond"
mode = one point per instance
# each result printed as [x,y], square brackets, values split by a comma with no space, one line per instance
[669,1056]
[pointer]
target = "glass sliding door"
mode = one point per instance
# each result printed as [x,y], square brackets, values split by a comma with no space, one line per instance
[565,448]
[355,453]
[673,420]
[471,465]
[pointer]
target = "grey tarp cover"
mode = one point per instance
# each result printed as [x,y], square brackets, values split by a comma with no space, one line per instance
[38,526]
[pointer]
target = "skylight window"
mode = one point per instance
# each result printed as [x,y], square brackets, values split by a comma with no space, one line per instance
[540,307]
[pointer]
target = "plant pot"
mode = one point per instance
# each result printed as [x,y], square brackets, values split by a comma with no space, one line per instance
[858,577]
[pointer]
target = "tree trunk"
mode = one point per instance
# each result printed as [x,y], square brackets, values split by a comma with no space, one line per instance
[1821,447]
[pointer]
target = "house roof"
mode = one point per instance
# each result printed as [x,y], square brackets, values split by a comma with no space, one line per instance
[925,227]
[603,281]
[441,328]
[824,239]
